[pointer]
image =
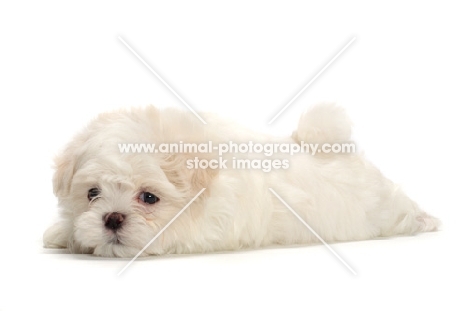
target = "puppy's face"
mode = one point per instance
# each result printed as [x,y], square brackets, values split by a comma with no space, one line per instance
[119,204]
[114,203]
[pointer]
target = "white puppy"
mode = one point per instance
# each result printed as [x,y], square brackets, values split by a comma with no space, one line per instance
[113,203]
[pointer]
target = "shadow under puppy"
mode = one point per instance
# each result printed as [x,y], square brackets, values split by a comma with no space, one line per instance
[113,203]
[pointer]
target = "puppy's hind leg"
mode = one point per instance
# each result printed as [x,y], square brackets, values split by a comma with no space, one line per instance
[402,216]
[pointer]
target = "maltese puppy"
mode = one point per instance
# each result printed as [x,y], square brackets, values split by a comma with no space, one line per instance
[114,201]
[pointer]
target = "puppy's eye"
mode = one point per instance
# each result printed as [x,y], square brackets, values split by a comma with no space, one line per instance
[93,193]
[148,198]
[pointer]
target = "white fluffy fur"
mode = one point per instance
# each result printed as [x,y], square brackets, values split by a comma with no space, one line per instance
[341,196]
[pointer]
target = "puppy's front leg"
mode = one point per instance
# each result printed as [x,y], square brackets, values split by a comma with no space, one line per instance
[56,236]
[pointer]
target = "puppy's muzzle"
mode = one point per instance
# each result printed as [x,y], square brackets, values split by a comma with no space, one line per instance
[113,221]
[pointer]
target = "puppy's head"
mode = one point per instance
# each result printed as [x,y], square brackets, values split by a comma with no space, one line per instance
[112,202]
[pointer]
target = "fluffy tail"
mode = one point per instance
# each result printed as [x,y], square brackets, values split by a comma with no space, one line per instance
[323,123]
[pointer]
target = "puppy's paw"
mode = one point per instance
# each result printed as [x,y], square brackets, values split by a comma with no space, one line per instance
[56,236]
[427,223]
[323,123]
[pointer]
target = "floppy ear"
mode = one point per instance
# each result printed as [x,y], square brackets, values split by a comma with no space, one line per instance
[58,235]
[64,170]
[185,178]
[171,126]
[66,165]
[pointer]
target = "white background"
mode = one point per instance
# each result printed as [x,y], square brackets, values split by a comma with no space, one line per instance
[403,81]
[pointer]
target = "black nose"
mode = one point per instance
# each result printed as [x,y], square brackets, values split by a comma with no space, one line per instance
[114,220]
